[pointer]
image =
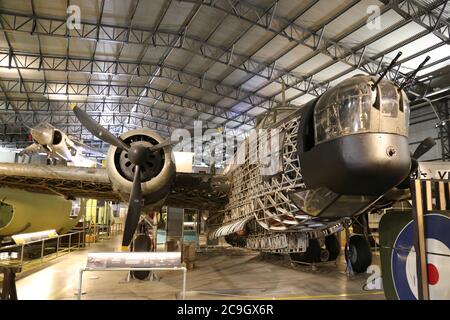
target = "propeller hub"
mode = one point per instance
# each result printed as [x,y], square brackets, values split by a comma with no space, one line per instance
[138,154]
[151,163]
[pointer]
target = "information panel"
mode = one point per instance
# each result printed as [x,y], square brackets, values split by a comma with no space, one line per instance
[105,260]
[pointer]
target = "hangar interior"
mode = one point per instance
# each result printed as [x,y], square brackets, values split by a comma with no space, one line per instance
[331,81]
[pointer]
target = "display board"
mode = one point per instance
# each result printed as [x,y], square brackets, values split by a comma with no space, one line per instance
[106,260]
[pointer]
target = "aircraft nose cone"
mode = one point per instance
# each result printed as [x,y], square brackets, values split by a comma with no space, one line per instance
[138,154]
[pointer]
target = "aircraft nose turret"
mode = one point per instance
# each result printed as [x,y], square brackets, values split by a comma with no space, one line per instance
[360,138]
[363,164]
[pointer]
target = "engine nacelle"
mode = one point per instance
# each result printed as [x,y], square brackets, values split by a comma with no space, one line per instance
[158,172]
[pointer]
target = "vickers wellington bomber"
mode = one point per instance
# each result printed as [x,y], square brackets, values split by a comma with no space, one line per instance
[340,156]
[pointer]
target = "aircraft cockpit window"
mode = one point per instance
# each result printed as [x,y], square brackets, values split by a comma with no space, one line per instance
[389,100]
[343,111]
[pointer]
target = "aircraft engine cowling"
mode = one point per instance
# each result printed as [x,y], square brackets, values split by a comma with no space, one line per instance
[158,172]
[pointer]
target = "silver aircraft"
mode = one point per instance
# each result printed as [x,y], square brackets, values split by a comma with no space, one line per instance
[57,145]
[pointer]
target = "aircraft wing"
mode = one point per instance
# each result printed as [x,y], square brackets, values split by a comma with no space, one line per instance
[190,190]
[199,191]
[59,180]
[87,149]
[32,149]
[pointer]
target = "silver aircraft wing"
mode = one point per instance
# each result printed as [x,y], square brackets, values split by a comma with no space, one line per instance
[71,182]
[85,148]
[32,149]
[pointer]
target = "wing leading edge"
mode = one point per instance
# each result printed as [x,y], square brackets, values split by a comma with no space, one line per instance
[70,182]
[190,190]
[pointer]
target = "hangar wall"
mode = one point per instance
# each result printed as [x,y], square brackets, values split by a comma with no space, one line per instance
[423,124]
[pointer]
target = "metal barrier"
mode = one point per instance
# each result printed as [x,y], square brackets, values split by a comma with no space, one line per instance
[61,244]
[100,231]
[61,247]
[116,228]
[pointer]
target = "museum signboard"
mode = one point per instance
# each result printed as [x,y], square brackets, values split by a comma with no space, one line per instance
[129,260]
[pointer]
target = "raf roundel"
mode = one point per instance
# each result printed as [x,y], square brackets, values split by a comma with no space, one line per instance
[403,260]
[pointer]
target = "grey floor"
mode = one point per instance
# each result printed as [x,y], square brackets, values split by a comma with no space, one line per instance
[220,273]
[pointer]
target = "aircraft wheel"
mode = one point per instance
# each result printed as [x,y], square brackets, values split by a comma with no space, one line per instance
[333,247]
[297,256]
[359,253]
[142,243]
[229,239]
[315,253]
[235,240]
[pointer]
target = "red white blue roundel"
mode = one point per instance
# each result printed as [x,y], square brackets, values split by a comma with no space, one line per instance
[437,231]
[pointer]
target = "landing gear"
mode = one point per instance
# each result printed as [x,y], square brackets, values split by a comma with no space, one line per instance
[236,240]
[333,247]
[142,243]
[315,253]
[358,253]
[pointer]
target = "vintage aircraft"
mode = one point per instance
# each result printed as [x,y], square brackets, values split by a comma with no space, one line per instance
[57,145]
[341,155]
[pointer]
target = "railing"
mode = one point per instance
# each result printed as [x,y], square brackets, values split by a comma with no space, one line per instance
[104,231]
[36,250]
[116,228]
[47,249]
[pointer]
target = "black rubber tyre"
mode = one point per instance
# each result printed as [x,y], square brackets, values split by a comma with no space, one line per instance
[236,240]
[229,239]
[313,253]
[297,256]
[333,247]
[142,243]
[359,253]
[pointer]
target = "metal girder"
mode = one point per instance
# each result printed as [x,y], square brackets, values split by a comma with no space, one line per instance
[430,19]
[56,27]
[102,90]
[42,62]
[313,39]
[269,13]
[13,135]
[159,117]
[162,59]
[442,109]
[371,65]
[31,118]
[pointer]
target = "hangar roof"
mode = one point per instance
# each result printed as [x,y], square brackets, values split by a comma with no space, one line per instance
[162,64]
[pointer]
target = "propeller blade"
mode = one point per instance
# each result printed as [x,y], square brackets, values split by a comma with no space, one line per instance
[96,129]
[425,146]
[134,208]
[163,144]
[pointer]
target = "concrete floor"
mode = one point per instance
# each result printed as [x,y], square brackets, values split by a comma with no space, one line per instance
[220,273]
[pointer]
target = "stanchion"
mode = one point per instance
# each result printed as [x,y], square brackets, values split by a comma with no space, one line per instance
[9,291]
[419,206]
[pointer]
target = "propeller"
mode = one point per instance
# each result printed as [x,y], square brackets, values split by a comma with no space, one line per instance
[425,146]
[138,154]
[96,129]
